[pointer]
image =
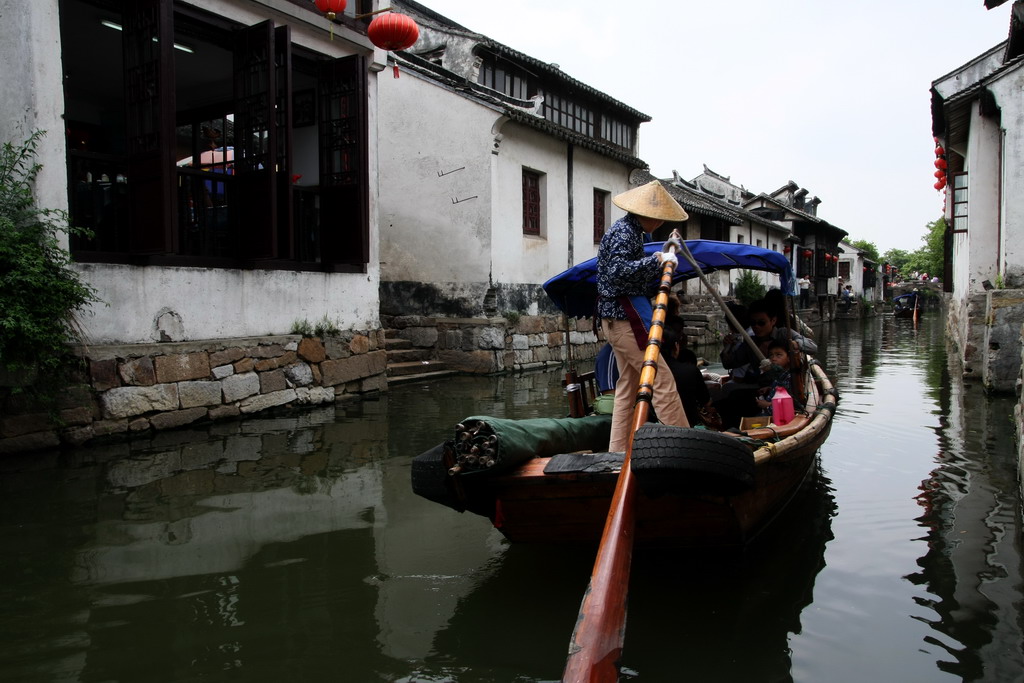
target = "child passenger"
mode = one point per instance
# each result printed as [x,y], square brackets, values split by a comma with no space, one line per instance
[781,376]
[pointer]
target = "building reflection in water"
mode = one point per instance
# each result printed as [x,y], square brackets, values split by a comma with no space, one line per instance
[972,571]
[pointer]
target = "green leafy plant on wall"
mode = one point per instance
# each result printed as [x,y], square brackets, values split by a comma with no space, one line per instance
[40,294]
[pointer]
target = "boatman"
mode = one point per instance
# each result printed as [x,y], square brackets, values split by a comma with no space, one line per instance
[624,273]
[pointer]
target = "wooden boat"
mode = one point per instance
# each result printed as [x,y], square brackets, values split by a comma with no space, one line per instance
[907,305]
[673,486]
[696,487]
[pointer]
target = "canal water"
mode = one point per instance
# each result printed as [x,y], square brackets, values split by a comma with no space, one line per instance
[292,548]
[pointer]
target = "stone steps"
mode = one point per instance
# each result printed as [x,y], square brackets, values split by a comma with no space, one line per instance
[408,364]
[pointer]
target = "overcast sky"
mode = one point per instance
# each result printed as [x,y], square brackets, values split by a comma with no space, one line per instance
[832,95]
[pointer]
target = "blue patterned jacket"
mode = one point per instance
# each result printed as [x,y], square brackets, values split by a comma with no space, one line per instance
[623,269]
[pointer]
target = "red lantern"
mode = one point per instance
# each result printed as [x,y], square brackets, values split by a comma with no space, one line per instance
[865,269]
[786,249]
[941,163]
[940,173]
[939,151]
[808,253]
[390,31]
[331,8]
[939,185]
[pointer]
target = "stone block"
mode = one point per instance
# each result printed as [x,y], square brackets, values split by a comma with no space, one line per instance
[530,324]
[272,381]
[312,350]
[224,412]
[76,436]
[16,425]
[264,351]
[336,348]
[520,342]
[255,404]
[287,358]
[360,344]
[107,427]
[139,424]
[227,356]
[139,372]
[30,442]
[103,374]
[76,396]
[222,371]
[194,394]
[244,365]
[376,383]
[177,418]
[299,374]
[73,417]
[237,387]
[178,367]
[422,337]
[131,401]
[354,368]
[491,338]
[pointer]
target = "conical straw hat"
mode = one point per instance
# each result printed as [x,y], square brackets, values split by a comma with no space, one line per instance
[652,201]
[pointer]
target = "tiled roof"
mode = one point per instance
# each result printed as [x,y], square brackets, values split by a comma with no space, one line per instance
[691,200]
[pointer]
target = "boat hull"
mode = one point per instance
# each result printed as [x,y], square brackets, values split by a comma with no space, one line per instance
[533,507]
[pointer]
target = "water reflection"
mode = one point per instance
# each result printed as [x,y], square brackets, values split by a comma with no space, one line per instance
[292,547]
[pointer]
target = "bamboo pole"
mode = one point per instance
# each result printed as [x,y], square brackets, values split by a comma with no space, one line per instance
[596,645]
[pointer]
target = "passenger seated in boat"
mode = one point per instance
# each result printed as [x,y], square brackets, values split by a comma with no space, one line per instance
[689,380]
[781,376]
[739,396]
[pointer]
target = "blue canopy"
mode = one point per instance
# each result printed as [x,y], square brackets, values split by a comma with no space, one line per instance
[575,291]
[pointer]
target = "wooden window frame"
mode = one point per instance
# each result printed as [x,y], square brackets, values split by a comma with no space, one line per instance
[959,220]
[601,200]
[532,208]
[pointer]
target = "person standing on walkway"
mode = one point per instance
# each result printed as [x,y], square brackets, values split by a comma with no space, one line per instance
[805,291]
[624,273]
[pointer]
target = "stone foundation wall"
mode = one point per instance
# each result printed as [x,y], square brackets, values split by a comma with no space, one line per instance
[1002,347]
[496,345]
[1018,411]
[137,388]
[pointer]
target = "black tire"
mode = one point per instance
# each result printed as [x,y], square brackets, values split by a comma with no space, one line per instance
[668,459]
[431,480]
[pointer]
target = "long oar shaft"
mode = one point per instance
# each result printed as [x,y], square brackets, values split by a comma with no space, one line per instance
[596,645]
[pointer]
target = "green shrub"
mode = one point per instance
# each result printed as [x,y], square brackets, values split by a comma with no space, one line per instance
[303,327]
[749,287]
[40,294]
[325,327]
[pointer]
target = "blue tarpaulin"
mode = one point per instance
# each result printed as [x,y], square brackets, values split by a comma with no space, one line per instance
[575,290]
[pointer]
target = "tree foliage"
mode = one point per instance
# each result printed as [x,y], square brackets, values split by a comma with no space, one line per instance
[926,259]
[749,287]
[40,293]
[869,249]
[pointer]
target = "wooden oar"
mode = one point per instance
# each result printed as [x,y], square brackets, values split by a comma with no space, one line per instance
[596,644]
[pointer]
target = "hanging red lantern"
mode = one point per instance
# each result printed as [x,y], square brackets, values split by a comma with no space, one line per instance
[865,269]
[331,9]
[808,253]
[941,163]
[939,151]
[391,31]
[939,185]
[940,173]
[786,249]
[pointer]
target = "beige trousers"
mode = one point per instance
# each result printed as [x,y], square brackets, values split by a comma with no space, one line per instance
[629,359]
